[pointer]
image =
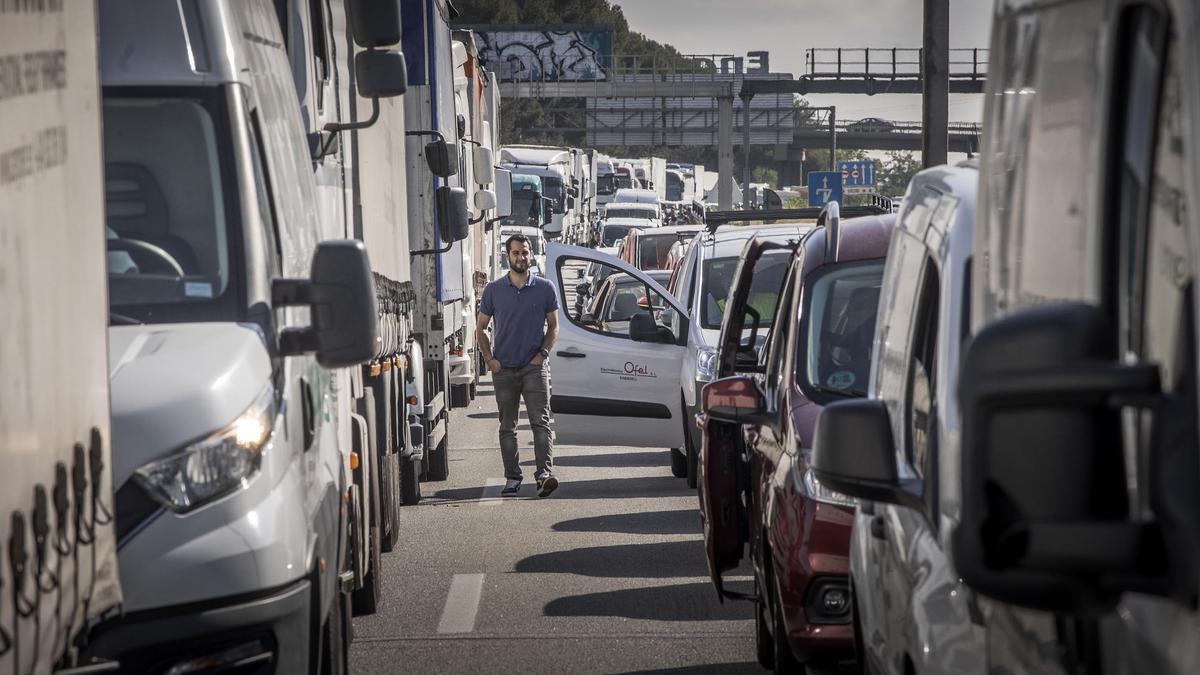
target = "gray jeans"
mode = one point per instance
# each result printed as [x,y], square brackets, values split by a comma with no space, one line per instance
[532,382]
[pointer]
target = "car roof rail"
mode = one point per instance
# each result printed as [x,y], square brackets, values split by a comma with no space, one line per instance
[715,219]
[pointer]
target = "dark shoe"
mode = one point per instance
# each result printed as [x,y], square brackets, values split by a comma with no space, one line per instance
[547,485]
[511,487]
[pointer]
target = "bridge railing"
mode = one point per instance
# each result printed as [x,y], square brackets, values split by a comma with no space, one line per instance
[892,63]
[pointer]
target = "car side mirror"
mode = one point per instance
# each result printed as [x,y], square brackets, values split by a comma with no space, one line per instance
[485,200]
[380,74]
[1041,393]
[454,217]
[482,166]
[340,295]
[442,158]
[733,399]
[588,319]
[853,453]
[374,23]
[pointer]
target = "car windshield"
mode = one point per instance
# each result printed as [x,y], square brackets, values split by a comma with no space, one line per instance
[170,215]
[655,249]
[614,211]
[717,279]
[841,308]
[611,234]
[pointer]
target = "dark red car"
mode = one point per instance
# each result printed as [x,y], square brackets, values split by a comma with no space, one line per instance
[756,488]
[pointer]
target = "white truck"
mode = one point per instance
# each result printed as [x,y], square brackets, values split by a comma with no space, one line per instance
[230,322]
[556,167]
[58,568]
[440,186]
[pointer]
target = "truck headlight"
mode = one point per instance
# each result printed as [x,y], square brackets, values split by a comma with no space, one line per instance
[812,488]
[214,466]
[706,364]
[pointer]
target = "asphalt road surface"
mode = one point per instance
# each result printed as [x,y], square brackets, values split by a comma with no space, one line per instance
[607,575]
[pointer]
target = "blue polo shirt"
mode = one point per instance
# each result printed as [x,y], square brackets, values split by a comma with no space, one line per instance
[520,318]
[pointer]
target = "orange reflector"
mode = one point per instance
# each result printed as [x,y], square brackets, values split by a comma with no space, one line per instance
[376,369]
[404,362]
[322,565]
[387,365]
[412,400]
[354,461]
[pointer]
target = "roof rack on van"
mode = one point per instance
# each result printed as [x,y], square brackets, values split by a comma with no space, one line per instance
[715,219]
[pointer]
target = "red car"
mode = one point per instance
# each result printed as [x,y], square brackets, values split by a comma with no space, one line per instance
[758,419]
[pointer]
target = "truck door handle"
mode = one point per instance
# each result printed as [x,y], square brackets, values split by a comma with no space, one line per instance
[878,527]
[570,355]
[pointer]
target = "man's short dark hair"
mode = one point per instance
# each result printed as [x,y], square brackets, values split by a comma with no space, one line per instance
[519,238]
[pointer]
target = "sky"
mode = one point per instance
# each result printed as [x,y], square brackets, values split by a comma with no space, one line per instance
[788,28]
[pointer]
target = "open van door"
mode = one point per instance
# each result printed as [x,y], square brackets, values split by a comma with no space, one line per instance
[615,376]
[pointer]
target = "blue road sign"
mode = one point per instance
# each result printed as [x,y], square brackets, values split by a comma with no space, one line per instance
[857,173]
[824,187]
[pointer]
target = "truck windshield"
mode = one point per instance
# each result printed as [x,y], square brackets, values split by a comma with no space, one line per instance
[171,212]
[526,204]
[841,308]
[615,211]
[606,184]
[764,287]
[623,180]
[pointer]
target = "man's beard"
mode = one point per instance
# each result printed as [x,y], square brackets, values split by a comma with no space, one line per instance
[519,266]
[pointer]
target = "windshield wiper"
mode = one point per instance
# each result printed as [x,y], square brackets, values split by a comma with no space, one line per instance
[114,318]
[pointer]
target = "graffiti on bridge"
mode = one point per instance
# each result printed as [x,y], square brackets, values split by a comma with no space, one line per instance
[549,55]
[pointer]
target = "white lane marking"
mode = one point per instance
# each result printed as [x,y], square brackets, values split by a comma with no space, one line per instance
[491,492]
[462,604]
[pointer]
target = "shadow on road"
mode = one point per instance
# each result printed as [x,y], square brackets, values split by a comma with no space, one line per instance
[686,521]
[715,668]
[681,602]
[612,459]
[604,488]
[650,560]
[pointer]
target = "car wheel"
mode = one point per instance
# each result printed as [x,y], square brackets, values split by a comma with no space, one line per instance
[693,460]
[335,639]
[785,660]
[678,462]
[764,644]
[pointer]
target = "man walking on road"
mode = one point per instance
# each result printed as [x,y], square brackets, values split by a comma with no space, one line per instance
[525,310]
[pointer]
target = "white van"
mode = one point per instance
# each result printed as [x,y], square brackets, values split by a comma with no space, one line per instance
[902,573]
[228,473]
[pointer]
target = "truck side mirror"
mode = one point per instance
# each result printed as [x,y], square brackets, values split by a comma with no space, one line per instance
[453,215]
[547,210]
[1045,520]
[485,200]
[442,158]
[374,23]
[340,294]
[484,169]
[591,190]
[380,74]
[503,193]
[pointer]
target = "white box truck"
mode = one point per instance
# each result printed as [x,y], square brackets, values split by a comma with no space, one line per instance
[58,565]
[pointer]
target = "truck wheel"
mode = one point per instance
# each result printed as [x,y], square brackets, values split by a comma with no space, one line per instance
[439,458]
[335,639]
[460,396]
[366,599]
[410,482]
[679,462]
[385,459]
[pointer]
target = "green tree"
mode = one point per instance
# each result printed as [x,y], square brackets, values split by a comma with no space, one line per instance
[761,174]
[896,172]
